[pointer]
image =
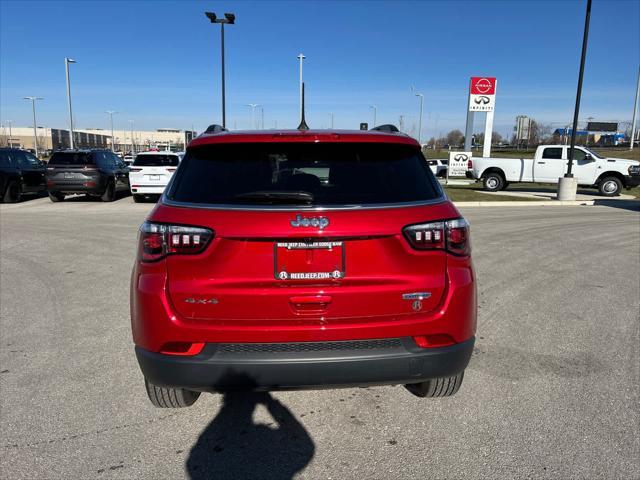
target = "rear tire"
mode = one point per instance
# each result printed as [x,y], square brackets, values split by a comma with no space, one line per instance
[110,193]
[610,186]
[12,194]
[437,387]
[493,182]
[138,198]
[167,397]
[56,196]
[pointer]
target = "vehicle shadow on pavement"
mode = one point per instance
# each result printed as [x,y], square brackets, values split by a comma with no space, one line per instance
[632,205]
[233,447]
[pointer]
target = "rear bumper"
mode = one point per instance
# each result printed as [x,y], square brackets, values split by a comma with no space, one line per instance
[304,365]
[469,174]
[148,190]
[97,189]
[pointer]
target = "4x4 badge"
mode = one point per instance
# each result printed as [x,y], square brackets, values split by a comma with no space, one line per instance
[301,221]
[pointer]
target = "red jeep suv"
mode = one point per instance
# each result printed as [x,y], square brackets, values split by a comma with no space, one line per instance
[300,260]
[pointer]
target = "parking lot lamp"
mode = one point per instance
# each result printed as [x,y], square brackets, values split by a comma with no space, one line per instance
[635,111]
[111,112]
[229,18]
[331,115]
[420,120]
[375,113]
[568,186]
[35,128]
[253,114]
[133,148]
[67,61]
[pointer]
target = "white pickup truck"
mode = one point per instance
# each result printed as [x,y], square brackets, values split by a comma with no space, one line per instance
[608,175]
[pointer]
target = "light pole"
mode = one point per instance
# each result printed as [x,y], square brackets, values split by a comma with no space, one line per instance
[261,117]
[111,112]
[635,110]
[133,147]
[67,61]
[229,18]
[331,116]
[253,114]
[420,120]
[301,58]
[568,186]
[375,113]
[35,128]
[10,142]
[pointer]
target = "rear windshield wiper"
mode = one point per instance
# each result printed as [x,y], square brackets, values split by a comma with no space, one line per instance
[268,196]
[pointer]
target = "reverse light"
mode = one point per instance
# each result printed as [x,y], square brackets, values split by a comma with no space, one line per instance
[449,235]
[157,240]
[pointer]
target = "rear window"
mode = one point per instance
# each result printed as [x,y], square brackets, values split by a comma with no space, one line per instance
[156,160]
[304,174]
[71,158]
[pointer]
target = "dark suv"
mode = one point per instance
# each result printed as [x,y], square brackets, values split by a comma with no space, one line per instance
[92,172]
[302,259]
[20,173]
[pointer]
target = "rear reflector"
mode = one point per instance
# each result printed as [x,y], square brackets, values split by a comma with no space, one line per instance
[182,348]
[158,240]
[433,341]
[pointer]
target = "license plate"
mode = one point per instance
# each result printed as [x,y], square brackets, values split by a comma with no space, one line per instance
[154,178]
[309,260]
[69,175]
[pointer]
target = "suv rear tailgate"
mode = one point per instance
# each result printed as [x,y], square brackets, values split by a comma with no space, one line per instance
[237,279]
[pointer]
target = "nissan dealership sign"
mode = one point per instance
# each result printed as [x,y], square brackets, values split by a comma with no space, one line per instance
[482,94]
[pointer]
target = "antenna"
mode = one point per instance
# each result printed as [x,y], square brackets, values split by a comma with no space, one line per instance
[303,125]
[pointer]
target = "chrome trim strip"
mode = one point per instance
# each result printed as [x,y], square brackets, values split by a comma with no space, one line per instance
[299,208]
[416,296]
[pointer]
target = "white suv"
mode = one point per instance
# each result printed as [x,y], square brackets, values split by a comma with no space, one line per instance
[151,172]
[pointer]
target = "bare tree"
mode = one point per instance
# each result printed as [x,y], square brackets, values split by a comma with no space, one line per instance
[455,137]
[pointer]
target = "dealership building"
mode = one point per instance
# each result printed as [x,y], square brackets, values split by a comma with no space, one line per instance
[58,139]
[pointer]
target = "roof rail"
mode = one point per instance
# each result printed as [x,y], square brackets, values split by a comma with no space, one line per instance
[387,127]
[215,129]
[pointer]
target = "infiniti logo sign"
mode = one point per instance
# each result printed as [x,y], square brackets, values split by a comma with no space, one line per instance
[318,222]
[482,100]
[461,157]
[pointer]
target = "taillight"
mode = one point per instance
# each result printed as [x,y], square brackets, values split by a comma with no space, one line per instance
[171,169]
[157,240]
[449,235]
[469,164]
[135,169]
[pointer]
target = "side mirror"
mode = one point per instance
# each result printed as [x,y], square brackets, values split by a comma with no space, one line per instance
[588,157]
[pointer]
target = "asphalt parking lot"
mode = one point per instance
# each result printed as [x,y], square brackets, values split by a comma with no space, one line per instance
[553,389]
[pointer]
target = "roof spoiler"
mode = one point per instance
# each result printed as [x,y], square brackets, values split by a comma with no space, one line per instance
[215,129]
[387,127]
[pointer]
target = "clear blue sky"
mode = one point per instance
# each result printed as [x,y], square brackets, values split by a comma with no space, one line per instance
[157,62]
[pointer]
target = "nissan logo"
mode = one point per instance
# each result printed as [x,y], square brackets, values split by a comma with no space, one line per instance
[318,222]
[481,100]
[483,85]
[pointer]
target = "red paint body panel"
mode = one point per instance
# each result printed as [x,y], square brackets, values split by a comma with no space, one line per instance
[231,291]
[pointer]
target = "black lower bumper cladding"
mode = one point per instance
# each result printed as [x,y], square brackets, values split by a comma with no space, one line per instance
[301,365]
